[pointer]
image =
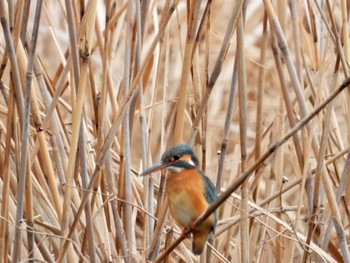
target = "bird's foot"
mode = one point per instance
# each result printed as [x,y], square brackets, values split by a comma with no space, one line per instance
[192,225]
[186,231]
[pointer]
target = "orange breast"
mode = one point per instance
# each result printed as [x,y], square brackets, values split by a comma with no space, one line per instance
[185,196]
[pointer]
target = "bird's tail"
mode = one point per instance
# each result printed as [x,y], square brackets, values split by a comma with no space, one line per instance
[199,239]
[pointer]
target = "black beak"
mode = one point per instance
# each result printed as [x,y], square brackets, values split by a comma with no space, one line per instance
[156,167]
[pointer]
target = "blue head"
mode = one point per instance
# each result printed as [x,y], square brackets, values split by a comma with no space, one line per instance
[175,159]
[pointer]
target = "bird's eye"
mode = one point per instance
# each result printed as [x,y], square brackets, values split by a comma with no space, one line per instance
[176,157]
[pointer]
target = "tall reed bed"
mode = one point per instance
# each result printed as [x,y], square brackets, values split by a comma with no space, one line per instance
[92,93]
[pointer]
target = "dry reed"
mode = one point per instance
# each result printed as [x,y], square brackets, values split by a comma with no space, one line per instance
[92,93]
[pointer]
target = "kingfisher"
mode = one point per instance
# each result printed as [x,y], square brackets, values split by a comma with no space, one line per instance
[189,192]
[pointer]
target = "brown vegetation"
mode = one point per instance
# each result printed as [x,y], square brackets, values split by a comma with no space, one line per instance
[92,93]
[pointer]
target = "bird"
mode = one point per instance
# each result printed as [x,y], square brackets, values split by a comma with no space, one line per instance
[189,192]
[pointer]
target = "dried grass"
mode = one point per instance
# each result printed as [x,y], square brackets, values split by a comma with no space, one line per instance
[255,87]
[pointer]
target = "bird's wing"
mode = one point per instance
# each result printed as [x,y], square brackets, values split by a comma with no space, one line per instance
[209,191]
[210,194]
